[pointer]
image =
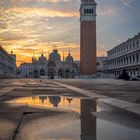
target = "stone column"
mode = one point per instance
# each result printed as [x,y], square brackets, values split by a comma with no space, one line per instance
[138,57]
[135,58]
[132,61]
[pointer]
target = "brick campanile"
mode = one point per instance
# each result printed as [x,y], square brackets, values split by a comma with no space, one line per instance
[88,37]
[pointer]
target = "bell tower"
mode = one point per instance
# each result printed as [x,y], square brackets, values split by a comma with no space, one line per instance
[88,37]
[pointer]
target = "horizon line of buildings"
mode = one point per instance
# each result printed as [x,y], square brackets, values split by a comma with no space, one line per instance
[124,56]
[54,66]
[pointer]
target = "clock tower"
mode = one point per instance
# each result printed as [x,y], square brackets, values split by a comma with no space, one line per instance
[88,37]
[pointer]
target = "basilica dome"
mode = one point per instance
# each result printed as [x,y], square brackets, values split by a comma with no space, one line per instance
[42,58]
[55,100]
[55,55]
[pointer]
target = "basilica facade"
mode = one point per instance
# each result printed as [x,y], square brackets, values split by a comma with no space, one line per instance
[53,67]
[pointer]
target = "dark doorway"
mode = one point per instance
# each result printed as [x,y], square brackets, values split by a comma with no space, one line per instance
[42,72]
[51,73]
[61,73]
[35,74]
[67,73]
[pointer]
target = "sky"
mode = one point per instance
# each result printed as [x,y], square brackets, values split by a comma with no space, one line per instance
[29,27]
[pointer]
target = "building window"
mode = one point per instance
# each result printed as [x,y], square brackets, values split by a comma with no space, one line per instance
[137,57]
[127,47]
[133,45]
[130,59]
[84,11]
[88,11]
[137,43]
[127,60]
[133,58]
[97,63]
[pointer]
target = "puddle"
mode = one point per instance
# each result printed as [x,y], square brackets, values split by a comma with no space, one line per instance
[50,102]
[89,120]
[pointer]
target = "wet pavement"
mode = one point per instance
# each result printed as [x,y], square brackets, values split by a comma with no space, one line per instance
[42,110]
[124,90]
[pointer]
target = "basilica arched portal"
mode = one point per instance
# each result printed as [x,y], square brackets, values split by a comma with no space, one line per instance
[35,74]
[42,72]
[51,72]
[61,73]
[51,69]
[67,73]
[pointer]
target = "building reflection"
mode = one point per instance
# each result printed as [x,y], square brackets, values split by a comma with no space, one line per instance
[34,98]
[52,101]
[69,100]
[55,100]
[88,121]
[42,98]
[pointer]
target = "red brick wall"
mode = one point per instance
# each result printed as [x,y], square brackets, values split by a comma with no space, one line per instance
[88,48]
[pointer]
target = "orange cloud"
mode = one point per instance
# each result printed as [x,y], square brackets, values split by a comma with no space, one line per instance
[28,30]
[21,1]
[42,11]
[101,53]
[24,54]
[101,50]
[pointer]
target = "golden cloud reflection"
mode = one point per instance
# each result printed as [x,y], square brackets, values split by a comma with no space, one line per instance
[49,102]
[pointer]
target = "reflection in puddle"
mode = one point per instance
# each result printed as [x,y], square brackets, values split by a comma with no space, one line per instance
[85,127]
[64,103]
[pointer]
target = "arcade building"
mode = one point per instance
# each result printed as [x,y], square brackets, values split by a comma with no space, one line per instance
[124,56]
[53,67]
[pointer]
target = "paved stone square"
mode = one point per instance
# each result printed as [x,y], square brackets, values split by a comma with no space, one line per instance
[124,90]
[40,109]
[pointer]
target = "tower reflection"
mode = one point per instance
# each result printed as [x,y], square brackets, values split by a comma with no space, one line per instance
[88,121]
